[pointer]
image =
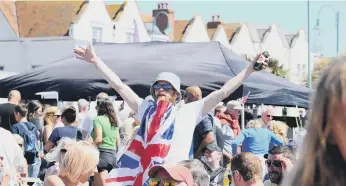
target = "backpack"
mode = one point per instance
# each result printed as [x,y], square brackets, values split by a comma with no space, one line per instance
[30,143]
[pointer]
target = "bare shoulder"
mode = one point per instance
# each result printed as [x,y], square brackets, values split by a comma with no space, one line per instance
[53,180]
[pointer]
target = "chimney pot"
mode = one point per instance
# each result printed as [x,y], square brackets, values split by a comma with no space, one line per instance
[218,17]
[162,5]
[158,5]
[212,18]
[166,5]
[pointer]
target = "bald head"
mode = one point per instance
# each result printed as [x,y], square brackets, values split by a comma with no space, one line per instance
[192,94]
[14,97]
[102,95]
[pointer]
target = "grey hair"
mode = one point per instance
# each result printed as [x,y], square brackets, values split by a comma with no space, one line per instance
[54,154]
[197,168]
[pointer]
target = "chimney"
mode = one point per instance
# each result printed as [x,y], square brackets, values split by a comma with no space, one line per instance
[162,20]
[214,23]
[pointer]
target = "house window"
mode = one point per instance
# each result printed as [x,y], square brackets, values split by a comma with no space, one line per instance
[303,68]
[2,67]
[130,35]
[97,34]
[35,66]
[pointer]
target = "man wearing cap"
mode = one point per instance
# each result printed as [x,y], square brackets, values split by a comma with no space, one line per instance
[231,115]
[178,124]
[212,159]
[170,175]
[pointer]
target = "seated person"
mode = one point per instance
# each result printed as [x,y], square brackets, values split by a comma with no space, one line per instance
[212,159]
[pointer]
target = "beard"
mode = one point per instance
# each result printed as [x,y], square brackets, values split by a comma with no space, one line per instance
[275,177]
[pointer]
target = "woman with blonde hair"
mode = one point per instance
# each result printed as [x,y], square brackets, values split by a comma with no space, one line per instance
[254,124]
[79,163]
[323,158]
[279,128]
[52,120]
[56,156]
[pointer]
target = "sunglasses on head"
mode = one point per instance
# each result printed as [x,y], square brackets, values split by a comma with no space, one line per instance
[63,150]
[163,86]
[274,163]
[164,182]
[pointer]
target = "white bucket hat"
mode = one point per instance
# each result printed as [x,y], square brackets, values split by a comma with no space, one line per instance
[171,78]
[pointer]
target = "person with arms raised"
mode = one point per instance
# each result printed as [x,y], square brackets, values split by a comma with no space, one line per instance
[163,135]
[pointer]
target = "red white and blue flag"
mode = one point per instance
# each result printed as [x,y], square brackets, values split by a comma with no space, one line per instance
[149,147]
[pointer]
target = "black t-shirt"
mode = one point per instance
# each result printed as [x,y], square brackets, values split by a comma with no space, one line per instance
[7,118]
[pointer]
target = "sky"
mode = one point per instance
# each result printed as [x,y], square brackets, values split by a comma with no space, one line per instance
[289,15]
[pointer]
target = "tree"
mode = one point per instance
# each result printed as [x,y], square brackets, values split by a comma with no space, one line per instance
[319,66]
[277,69]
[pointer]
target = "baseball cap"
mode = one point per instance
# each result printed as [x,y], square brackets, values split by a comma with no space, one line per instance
[213,147]
[234,105]
[171,78]
[176,172]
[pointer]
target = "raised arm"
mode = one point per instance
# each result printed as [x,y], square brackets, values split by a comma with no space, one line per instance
[230,86]
[88,55]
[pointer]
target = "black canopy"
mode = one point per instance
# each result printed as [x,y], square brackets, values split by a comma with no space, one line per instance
[208,65]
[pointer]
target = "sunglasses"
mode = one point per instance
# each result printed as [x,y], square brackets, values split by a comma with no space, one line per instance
[163,86]
[164,182]
[269,116]
[274,163]
[58,116]
[63,150]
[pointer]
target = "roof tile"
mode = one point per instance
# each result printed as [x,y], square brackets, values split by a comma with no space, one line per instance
[47,18]
[179,29]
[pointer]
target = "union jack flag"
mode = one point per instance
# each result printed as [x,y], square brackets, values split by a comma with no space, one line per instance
[149,147]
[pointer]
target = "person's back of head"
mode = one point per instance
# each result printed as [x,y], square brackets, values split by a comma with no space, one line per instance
[246,168]
[83,105]
[21,110]
[79,162]
[14,97]
[102,95]
[199,174]
[69,115]
[192,93]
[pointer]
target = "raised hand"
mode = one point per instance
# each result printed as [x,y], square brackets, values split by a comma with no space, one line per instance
[261,61]
[86,54]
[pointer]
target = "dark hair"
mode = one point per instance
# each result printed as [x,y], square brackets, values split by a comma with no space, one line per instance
[105,107]
[69,114]
[21,109]
[285,151]
[33,106]
[248,165]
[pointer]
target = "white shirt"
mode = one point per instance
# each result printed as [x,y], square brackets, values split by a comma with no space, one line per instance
[186,119]
[11,152]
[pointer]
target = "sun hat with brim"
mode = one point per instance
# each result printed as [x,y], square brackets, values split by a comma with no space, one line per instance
[176,172]
[171,78]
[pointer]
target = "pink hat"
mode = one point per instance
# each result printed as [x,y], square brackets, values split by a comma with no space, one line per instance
[177,173]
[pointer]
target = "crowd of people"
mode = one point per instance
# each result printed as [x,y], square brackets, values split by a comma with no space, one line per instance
[170,138]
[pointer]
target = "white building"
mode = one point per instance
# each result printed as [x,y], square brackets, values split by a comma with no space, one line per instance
[249,39]
[35,33]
